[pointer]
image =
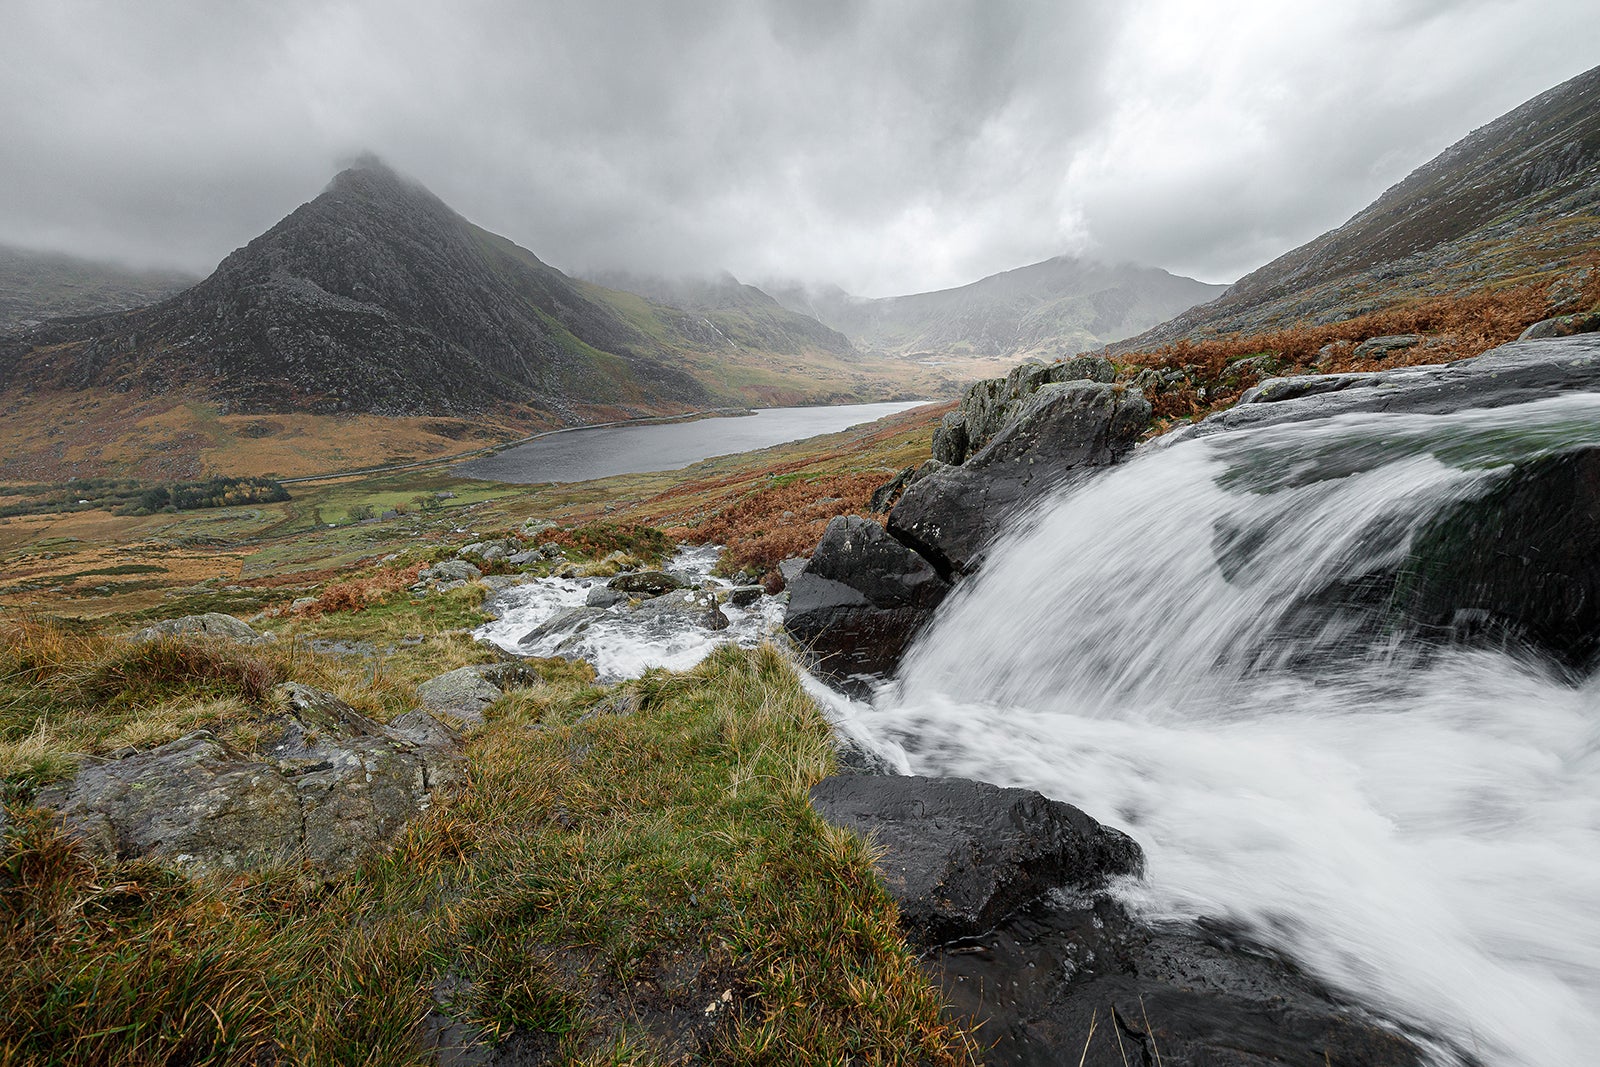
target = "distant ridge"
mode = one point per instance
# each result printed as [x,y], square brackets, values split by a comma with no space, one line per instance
[740,313]
[1517,197]
[35,286]
[1061,306]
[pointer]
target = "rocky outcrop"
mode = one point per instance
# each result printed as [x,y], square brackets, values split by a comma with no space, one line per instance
[210,624]
[989,406]
[1516,373]
[462,694]
[860,600]
[1062,431]
[1002,887]
[865,593]
[332,788]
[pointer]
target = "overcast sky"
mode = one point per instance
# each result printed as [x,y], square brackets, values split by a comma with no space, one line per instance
[887,146]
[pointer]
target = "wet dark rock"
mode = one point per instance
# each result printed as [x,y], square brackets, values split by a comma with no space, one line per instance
[1062,432]
[1179,996]
[1520,564]
[742,596]
[1001,887]
[960,855]
[885,495]
[860,599]
[645,583]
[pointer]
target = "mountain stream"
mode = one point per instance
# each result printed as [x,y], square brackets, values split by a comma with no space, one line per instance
[1419,827]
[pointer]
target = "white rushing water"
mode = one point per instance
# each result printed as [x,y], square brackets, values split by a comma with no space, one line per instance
[1423,832]
[619,643]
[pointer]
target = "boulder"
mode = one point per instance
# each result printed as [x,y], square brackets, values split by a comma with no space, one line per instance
[1003,891]
[333,788]
[603,596]
[959,855]
[989,406]
[451,570]
[645,583]
[742,596]
[696,605]
[1384,347]
[568,624]
[1062,432]
[463,694]
[1562,326]
[210,624]
[860,599]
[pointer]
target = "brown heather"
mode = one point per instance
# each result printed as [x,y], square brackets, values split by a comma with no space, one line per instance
[1452,328]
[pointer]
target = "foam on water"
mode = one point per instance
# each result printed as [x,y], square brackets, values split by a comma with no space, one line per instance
[1423,831]
[619,643]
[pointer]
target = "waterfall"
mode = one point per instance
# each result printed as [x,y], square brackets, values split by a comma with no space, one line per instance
[1189,647]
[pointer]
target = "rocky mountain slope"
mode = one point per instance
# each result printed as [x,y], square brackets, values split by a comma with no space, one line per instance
[35,286]
[1059,307]
[1514,200]
[374,297]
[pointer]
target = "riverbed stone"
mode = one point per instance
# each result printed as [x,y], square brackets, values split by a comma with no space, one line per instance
[645,583]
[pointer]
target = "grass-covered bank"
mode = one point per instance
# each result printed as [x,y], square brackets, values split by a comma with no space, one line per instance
[630,876]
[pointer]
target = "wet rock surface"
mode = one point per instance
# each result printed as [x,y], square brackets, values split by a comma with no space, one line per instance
[1515,373]
[860,599]
[960,855]
[1071,979]
[1001,886]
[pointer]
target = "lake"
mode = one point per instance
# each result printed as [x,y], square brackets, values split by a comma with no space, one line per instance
[579,455]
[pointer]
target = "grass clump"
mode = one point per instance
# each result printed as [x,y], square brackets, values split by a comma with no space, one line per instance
[631,875]
[598,539]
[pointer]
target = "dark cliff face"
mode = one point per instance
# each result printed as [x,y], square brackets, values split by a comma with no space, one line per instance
[1477,212]
[375,297]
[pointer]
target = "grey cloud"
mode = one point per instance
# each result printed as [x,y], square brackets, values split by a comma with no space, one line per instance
[889,146]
